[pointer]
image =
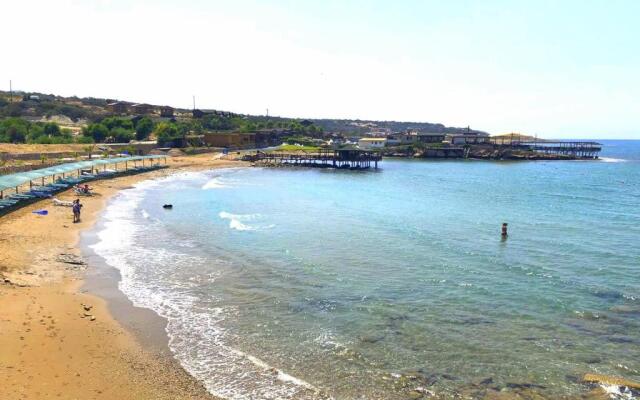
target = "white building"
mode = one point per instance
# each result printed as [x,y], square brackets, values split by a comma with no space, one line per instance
[475,138]
[372,143]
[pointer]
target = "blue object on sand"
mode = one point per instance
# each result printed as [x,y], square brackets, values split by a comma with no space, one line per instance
[41,212]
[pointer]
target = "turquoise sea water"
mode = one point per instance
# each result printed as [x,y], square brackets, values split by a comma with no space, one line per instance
[285,283]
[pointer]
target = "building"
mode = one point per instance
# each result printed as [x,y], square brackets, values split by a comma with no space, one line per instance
[234,140]
[402,138]
[117,107]
[166,111]
[371,143]
[141,109]
[465,138]
[427,137]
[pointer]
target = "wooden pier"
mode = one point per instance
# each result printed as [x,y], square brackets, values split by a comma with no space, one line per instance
[573,149]
[323,158]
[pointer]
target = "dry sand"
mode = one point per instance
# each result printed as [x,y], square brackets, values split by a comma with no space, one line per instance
[51,346]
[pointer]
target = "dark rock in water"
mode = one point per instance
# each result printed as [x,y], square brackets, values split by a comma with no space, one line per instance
[620,339]
[573,378]
[373,338]
[431,379]
[167,206]
[625,309]
[512,385]
[608,294]
[487,381]
[399,317]
[587,359]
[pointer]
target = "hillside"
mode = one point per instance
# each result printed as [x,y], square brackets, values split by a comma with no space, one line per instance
[73,112]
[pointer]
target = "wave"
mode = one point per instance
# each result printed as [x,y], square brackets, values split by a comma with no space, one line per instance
[612,160]
[156,270]
[215,183]
[238,221]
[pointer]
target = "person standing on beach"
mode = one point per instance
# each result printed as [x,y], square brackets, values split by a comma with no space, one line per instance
[76,210]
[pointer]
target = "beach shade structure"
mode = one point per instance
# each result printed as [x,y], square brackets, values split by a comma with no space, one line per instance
[13,181]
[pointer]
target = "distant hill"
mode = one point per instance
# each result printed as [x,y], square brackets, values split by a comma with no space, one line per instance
[83,110]
[363,126]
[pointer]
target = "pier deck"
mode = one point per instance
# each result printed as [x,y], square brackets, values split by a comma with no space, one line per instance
[323,158]
[577,149]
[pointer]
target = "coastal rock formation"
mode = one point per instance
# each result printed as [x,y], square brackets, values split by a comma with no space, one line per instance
[502,153]
[611,380]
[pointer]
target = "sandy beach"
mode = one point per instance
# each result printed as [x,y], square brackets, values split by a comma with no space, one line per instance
[60,342]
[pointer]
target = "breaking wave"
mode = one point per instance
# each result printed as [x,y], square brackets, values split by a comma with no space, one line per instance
[239,221]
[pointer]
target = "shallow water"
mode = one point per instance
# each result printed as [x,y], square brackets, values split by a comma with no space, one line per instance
[370,284]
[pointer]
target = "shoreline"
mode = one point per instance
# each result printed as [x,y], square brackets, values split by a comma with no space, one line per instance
[67,330]
[102,280]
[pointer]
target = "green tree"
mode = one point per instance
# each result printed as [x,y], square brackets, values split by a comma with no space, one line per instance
[14,130]
[121,135]
[51,129]
[166,132]
[97,132]
[84,139]
[117,122]
[144,127]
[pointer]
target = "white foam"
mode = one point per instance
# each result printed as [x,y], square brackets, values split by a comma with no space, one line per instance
[612,160]
[215,183]
[618,392]
[237,221]
[149,277]
[280,375]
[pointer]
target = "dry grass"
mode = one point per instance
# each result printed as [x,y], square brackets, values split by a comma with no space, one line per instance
[40,148]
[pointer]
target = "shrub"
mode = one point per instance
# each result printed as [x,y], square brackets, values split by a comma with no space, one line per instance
[144,127]
[121,135]
[98,132]
[84,139]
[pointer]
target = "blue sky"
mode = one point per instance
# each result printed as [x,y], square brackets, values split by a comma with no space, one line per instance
[553,68]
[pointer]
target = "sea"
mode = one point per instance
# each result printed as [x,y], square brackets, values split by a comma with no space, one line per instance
[392,283]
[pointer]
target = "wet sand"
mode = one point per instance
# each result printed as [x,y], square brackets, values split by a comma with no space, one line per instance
[57,340]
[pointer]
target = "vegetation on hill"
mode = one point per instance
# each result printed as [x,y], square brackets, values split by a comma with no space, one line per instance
[22,120]
[18,130]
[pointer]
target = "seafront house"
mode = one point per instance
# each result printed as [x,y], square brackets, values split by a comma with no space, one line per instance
[117,107]
[141,109]
[372,143]
[467,138]
[430,137]
[166,112]
[413,137]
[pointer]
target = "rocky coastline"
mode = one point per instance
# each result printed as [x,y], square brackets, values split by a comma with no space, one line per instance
[476,152]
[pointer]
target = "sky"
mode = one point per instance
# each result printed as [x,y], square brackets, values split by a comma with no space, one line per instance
[556,69]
